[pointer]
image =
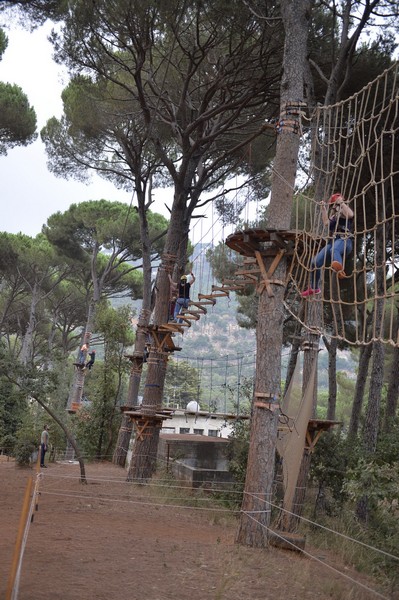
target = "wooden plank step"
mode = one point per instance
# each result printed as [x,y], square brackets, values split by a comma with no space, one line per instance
[208,298]
[199,305]
[219,294]
[247,272]
[217,288]
[186,321]
[175,327]
[230,282]
[234,288]
[241,283]
[190,316]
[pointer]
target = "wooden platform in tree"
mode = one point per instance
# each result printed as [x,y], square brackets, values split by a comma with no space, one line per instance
[144,423]
[250,240]
[315,429]
[162,336]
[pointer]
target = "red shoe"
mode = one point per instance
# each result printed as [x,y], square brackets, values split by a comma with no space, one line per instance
[310,292]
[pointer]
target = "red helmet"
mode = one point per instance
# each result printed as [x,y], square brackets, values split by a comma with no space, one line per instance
[334,198]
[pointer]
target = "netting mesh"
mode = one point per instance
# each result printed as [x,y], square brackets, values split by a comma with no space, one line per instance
[354,150]
[296,411]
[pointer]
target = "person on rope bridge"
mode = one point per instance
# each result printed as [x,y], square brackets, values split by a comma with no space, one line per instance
[183,295]
[90,362]
[339,242]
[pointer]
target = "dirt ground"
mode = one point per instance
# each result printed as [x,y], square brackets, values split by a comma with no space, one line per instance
[110,540]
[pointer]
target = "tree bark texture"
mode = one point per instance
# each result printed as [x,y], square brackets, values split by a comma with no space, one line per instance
[126,427]
[145,447]
[361,380]
[332,379]
[255,510]
[393,391]
[372,420]
[253,526]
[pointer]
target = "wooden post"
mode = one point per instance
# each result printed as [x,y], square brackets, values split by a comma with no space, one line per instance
[18,543]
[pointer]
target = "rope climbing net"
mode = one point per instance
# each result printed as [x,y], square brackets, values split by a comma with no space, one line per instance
[354,151]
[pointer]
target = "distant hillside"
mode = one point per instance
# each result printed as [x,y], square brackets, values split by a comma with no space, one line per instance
[224,353]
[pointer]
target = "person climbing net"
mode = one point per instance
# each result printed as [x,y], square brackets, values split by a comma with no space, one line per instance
[339,241]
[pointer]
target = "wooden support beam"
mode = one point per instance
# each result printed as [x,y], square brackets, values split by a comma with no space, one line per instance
[266,275]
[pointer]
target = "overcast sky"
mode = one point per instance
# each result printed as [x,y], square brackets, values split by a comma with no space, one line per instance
[29,192]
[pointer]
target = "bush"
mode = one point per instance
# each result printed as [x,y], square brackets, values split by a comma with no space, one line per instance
[23,453]
[7,444]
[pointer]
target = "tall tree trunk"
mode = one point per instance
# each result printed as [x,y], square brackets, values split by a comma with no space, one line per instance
[255,513]
[145,447]
[361,380]
[372,420]
[393,389]
[295,347]
[139,353]
[332,346]
[137,359]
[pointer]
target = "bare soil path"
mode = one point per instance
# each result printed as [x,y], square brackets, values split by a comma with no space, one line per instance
[109,540]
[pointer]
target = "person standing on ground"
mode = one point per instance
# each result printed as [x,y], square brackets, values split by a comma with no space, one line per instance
[43,445]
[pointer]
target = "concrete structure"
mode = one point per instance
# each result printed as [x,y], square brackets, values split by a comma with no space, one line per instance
[193,446]
[198,423]
[198,460]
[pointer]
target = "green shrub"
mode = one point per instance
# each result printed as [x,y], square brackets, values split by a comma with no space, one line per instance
[23,453]
[7,444]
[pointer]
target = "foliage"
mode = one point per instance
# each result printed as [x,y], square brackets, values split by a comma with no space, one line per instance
[182,383]
[17,118]
[379,483]
[23,452]
[3,42]
[7,444]
[237,451]
[27,441]
[332,456]
[98,419]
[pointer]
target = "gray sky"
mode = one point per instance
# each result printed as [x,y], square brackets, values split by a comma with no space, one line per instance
[29,193]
